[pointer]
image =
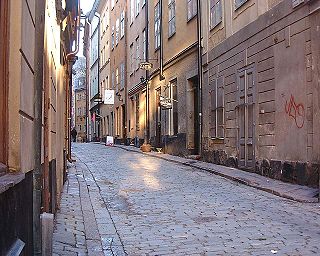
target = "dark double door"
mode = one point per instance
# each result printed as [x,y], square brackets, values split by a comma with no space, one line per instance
[246,118]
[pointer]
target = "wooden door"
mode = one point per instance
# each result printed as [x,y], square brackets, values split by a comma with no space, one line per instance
[3,77]
[245,118]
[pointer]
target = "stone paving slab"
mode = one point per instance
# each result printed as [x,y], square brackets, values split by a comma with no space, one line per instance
[78,224]
[142,205]
[294,192]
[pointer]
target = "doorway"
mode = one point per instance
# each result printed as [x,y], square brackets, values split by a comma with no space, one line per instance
[124,127]
[158,118]
[245,118]
[193,142]
[3,77]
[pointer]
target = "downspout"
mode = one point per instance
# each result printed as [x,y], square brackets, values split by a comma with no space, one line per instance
[88,127]
[147,72]
[98,28]
[199,74]
[70,59]
[38,88]
[161,42]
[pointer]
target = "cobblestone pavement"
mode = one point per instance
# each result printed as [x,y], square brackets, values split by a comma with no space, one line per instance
[125,203]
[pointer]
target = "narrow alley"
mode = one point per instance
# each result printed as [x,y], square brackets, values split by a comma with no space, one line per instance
[118,202]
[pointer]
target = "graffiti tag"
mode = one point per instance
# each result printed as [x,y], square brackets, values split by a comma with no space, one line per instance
[296,111]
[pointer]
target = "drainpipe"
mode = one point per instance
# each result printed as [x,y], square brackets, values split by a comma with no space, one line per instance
[88,126]
[98,28]
[161,42]
[70,61]
[147,72]
[38,87]
[199,74]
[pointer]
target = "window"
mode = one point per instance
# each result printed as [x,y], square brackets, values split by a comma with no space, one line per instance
[171,93]
[122,24]
[112,38]
[239,3]
[137,7]
[112,4]
[107,83]
[117,31]
[215,13]
[131,59]
[131,11]
[217,108]
[192,9]
[157,26]
[143,3]
[172,17]
[122,76]
[112,81]
[117,79]
[137,53]
[144,45]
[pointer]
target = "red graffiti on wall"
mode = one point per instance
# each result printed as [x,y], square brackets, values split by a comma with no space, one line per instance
[296,111]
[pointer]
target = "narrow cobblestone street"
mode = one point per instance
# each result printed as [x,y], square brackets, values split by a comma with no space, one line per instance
[124,203]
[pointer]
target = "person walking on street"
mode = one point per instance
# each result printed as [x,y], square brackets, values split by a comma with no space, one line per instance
[74,134]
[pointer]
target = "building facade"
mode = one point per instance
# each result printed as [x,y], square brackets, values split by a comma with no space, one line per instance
[93,82]
[174,76]
[260,102]
[106,110]
[35,82]
[136,77]
[118,67]
[80,113]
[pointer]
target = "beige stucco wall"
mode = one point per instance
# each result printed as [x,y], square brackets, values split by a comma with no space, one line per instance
[21,84]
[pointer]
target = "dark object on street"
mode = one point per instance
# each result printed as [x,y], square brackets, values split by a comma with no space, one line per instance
[74,134]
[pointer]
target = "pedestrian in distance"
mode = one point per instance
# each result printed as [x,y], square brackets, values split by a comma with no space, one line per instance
[74,134]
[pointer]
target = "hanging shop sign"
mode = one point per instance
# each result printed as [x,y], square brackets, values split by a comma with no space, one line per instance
[109,97]
[165,103]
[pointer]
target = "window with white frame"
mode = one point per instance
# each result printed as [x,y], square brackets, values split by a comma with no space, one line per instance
[131,59]
[112,38]
[137,7]
[217,108]
[239,3]
[215,13]
[172,17]
[131,11]
[192,8]
[117,79]
[137,52]
[144,45]
[122,75]
[157,26]
[122,24]
[117,31]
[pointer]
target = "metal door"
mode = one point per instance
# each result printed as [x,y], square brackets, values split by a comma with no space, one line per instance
[245,118]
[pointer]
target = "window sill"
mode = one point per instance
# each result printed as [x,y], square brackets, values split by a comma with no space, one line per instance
[9,180]
[217,140]
[170,36]
[188,20]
